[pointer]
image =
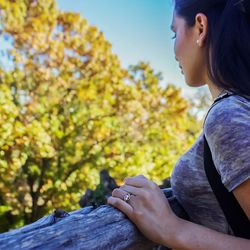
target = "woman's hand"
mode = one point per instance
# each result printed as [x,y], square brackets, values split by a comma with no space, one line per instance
[148,208]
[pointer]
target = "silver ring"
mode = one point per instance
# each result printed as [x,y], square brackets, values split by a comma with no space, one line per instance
[127,197]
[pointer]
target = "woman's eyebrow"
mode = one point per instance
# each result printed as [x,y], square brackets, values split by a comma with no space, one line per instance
[172,27]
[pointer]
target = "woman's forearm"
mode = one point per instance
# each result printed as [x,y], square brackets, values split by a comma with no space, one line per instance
[191,236]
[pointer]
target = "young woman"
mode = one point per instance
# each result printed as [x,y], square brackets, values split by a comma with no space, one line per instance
[212,47]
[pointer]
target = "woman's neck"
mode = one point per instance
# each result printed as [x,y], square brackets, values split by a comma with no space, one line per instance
[214,90]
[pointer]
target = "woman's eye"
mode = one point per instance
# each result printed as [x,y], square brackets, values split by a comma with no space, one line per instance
[174,36]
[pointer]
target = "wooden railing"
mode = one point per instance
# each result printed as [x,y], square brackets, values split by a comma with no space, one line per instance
[89,229]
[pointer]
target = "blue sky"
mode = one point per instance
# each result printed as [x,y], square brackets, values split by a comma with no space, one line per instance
[137,29]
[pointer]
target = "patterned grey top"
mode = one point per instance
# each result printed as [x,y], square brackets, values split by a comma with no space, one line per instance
[227,129]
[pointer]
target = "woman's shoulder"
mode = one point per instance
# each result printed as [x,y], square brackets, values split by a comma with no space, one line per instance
[226,129]
[228,113]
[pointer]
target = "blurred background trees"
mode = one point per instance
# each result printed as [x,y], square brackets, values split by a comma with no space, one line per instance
[68,110]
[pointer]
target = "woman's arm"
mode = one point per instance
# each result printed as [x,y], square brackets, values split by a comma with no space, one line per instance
[195,237]
[191,236]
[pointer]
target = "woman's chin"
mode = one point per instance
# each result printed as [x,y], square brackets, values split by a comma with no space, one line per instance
[194,83]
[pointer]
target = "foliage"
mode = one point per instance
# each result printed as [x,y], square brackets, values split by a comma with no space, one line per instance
[68,109]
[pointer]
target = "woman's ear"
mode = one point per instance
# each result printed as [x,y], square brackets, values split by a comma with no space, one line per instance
[201,29]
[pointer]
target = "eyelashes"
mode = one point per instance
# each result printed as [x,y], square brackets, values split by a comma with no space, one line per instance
[174,37]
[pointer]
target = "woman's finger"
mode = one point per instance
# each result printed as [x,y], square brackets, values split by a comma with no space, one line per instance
[121,205]
[137,181]
[132,190]
[119,193]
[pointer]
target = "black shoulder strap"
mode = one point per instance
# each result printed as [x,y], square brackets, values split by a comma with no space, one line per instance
[234,214]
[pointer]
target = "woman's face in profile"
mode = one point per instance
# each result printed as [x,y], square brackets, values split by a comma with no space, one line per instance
[187,52]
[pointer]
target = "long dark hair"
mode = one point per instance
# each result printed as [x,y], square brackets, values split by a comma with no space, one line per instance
[228,40]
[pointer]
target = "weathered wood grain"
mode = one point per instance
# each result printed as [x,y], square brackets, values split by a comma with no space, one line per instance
[87,229]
